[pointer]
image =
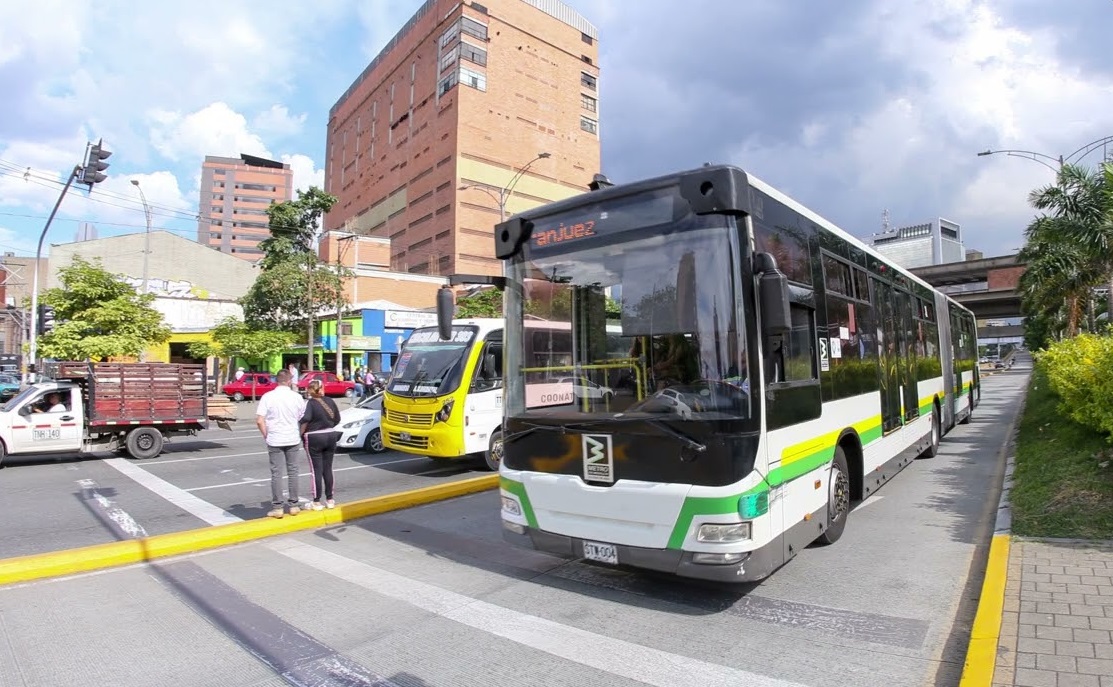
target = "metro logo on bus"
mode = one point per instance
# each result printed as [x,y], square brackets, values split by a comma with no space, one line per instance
[598,458]
[562,234]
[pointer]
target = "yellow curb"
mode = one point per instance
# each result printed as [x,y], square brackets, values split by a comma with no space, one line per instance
[981,654]
[100,556]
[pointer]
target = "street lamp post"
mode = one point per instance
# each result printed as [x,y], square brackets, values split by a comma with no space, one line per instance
[1056,162]
[146,249]
[1073,158]
[504,192]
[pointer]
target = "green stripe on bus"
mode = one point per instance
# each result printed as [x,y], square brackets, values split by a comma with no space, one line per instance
[518,489]
[700,505]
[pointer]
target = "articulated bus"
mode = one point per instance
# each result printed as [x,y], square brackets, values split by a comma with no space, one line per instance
[444,397]
[782,370]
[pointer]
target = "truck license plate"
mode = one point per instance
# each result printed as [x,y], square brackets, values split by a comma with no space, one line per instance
[45,434]
[404,436]
[604,553]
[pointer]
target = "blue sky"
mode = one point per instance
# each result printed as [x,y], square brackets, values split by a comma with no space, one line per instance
[853,111]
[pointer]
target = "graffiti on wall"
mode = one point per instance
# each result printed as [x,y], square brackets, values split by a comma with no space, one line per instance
[167,288]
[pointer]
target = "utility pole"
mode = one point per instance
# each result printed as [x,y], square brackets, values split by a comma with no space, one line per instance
[146,251]
[309,274]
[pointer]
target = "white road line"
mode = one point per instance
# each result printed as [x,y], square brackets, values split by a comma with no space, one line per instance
[615,656]
[189,460]
[179,497]
[863,504]
[125,522]
[300,474]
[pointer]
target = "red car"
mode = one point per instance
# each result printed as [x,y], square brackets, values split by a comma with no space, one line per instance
[334,386]
[252,385]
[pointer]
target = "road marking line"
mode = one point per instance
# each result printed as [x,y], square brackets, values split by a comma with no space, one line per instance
[615,656]
[863,504]
[191,504]
[189,460]
[126,524]
[300,474]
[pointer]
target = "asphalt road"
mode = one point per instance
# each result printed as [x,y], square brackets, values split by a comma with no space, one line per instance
[431,596]
[60,502]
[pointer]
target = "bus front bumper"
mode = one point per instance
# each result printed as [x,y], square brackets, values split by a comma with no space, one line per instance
[755,565]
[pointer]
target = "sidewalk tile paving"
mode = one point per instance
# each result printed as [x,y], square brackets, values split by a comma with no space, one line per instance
[1058,615]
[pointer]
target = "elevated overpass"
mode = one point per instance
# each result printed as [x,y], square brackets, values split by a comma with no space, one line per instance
[998,277]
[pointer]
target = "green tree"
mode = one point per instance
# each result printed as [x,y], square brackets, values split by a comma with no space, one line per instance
[232,338]
[294,225]
[286,296]
[293,286]
[1056,285]
[484,303]
[1078,206]
[98,315]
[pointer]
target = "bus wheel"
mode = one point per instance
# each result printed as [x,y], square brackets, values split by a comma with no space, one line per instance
[933,450]
[144,443]
[493,456]
[838,499]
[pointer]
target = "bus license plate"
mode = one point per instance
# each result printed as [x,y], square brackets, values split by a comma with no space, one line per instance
[604,553]
[45,434]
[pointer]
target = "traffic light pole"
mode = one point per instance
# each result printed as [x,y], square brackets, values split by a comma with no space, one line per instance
[34,351]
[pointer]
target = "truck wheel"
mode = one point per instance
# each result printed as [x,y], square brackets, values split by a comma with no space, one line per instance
[3,453]
[144,443]
[838,499]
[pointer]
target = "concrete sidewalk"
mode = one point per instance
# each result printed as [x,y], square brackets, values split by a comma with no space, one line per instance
[1058,615]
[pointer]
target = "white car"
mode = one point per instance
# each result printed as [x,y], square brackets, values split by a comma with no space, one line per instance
[359,425]
[582,386]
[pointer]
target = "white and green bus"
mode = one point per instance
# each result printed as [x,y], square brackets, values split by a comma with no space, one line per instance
[784,372]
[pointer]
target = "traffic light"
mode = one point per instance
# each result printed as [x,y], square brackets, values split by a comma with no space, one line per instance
[95,164]
[46,319]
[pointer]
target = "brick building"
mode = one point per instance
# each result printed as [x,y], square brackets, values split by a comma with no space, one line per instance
[422,145]
[235,193]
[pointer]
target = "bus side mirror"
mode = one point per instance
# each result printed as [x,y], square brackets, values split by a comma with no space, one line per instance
[446,306]
[773,293]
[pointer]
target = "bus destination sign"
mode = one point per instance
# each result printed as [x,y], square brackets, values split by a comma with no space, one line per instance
[619,215]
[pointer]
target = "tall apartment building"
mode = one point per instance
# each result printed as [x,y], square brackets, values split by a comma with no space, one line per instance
[235,193]
[931,243]
[424,145]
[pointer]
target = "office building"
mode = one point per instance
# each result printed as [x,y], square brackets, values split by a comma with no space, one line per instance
[425,148]
[932,243]
[235,194]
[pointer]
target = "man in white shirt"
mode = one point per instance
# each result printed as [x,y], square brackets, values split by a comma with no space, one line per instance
[278,416]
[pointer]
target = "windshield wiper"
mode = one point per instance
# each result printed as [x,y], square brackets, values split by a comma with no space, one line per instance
[531,427]
[688,441]
[574,427]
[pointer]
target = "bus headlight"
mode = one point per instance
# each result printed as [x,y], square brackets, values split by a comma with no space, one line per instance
[445,411]
[724,533]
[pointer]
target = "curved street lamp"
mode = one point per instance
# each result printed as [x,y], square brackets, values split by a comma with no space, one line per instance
[505,191]
[1075,157]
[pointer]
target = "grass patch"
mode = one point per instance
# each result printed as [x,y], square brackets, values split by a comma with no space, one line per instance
[1063,480]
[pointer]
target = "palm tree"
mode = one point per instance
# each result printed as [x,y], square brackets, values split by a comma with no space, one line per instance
[1060,275]
[1079,204]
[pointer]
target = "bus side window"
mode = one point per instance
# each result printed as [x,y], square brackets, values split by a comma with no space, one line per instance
[490,368]
[792,380]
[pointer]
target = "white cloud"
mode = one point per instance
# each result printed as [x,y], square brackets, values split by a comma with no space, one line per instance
[305,171]
[216,129]
[278,122]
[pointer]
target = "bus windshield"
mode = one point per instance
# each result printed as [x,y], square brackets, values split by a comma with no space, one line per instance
[646,324]
[428,366]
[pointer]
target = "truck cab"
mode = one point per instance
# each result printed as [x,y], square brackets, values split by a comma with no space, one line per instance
[44,418]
